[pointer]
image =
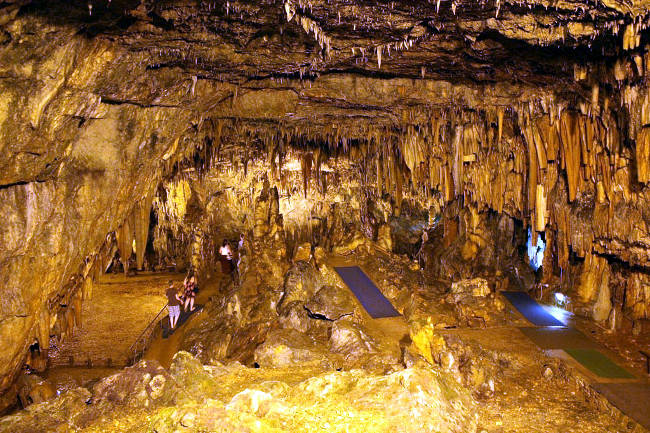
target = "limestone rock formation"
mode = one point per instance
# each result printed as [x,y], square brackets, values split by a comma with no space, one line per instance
[331,303]
[315,128]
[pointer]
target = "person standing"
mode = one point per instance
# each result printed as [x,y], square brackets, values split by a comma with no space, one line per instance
[191,289]
[225,256]
[240,249]
[173,304]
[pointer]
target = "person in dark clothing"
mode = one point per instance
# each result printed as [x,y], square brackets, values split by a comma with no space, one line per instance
[225,257]
[173,304]
[191,289]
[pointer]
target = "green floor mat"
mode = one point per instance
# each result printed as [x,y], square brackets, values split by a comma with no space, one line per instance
[598,363]
[554,337]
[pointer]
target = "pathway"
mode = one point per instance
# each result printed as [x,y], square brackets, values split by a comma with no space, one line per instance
[626,390]
[120,308]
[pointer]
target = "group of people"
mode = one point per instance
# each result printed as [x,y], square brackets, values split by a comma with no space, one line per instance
[185,297]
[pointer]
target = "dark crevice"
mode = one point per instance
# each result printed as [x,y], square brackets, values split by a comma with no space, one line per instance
[322,317]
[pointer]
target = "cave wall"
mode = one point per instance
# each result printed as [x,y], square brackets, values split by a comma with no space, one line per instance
[73,167]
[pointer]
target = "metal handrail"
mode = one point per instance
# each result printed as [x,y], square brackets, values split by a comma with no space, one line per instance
[133,348]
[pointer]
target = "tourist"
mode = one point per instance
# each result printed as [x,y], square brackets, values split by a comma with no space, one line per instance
[191,289]
[225,257]
[225,249]
[240,249]
[173,304]
[419,255]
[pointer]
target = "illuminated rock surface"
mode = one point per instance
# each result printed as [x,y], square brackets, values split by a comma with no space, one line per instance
[327,131]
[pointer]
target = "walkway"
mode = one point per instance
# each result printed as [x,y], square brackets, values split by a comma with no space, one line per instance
[112,319]
[627,391]
[164,345]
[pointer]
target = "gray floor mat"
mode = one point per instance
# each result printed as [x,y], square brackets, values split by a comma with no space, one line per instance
[633,399]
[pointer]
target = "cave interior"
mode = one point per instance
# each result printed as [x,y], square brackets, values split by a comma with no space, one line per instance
[439,213]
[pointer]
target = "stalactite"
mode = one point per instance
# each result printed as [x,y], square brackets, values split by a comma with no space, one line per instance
[77,306]
[398,187]
[125,237]
[499,125]
[306,163]
[380,177]
[540,209]
[570,146]
[142,212]
[643,155]
[87,288]
[44,329]
[457,160]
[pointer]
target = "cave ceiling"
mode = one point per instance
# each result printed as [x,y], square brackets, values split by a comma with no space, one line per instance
[310,66]
[529,43]
[465,41]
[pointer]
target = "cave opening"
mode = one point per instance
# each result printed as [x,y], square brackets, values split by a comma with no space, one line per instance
[381,216]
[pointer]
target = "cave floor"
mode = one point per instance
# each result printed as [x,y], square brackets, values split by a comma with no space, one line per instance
[524,399]
[119,310]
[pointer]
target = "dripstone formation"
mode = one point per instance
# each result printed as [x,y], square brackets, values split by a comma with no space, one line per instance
[319,128]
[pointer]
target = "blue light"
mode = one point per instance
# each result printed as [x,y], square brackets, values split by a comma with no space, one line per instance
[535,253]
[560,298]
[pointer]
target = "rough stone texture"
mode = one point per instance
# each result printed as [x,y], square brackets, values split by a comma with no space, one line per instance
[332,303]
[287,347]
[535,110]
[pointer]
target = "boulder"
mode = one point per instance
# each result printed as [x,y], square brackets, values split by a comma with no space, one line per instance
[143,385]
[34,389]
[426,340]
[300,283]
[67,412]
[331,303]
[190,374]
[303,253]
[476,287]
[286,347]
[354,241]
[350,340]
[384,237]
[294,316]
